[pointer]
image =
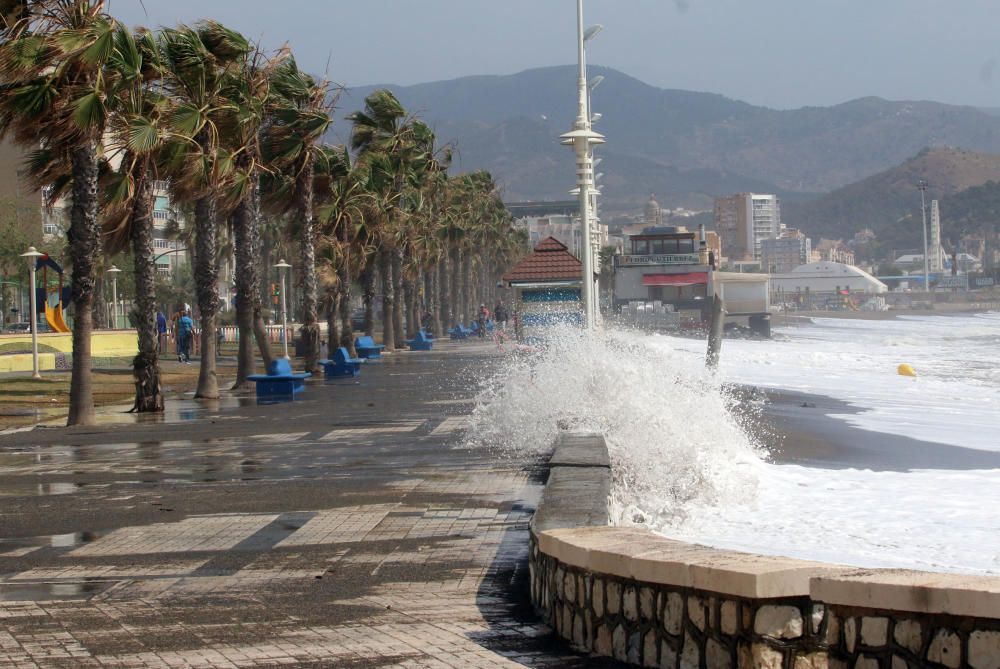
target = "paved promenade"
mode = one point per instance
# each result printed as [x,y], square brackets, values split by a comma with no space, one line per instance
[347,529]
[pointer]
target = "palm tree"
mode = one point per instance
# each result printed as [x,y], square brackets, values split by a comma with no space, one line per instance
[197,64]
[299,119]
[135,136]
[52,65]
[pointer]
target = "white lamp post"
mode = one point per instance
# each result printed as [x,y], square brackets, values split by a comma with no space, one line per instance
[283,268]
[114,296]
[581,138]
[32,255]
[922,186]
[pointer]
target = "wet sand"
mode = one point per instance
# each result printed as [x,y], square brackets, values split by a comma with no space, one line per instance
[797,429]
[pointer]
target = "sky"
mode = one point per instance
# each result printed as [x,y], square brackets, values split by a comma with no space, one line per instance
[778,53]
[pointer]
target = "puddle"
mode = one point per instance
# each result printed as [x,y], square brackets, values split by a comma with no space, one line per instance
[23,545]
[39,489]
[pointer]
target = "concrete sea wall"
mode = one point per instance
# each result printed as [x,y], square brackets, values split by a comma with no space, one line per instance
[650,601]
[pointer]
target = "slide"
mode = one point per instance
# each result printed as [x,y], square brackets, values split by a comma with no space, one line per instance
[55,318]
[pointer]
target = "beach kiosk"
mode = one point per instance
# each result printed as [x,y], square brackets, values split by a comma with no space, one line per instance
[546,288]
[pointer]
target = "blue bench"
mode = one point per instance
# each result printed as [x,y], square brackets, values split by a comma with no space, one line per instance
[341,365]
[367,348]
[280,380]
[459,332]
[422,342]
[474,330]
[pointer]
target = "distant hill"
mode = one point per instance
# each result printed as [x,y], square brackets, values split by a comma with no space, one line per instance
[889,202]
[684,146]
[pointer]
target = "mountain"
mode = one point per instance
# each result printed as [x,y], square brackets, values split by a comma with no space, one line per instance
[889,202]
[684,146]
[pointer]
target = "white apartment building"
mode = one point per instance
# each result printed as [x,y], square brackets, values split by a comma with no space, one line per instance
[744,220]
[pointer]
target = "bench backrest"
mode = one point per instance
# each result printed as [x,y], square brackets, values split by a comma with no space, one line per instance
[364,342]
[279,367]
[422,336]
[341,355]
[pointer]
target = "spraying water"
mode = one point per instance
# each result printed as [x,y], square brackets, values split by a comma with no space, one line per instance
[675,441]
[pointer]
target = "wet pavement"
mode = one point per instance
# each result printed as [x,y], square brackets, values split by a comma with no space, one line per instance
[349,528]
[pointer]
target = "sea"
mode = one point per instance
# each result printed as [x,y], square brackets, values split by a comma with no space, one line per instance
[689,461]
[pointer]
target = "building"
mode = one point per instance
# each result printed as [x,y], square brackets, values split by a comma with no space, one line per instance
[834,250]
[663,264]
[559,220]
[790,250]
[547,287]
[653,216]
[744,220]
[825,277]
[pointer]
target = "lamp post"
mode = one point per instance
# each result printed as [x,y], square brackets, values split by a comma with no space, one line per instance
[32,255]
[581,138]
[922,186]
[283,268]
[114,295]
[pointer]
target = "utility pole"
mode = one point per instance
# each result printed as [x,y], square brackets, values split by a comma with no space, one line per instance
[922,186]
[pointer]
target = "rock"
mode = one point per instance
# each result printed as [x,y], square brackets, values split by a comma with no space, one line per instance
[717,656]
[673,614]
[850,634]
[765,657]
[816,619]
[649,650]
[602,645]
[946,649]
[690,653]
[727,617]
[566,630]
[578,636]
[833,631]
[597,598]
[909,634]
[898,662]
[779,622]
[865,662]
[582,588]
[569,587]
[744,656]
[618,638]
[634,648]
[613,602]
[560,577]
[837,664]
[646,601]
[696,612]
[811,661]
[630,604]
[984,650]
[668,656]
[874,631]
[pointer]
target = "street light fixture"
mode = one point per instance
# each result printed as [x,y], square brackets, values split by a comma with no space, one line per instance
[32,255]
[113,271]
[922,187]
[283,267]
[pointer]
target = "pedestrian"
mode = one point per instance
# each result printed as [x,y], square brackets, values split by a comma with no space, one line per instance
[500,315]
[185,328]
[161,330]
[481,320]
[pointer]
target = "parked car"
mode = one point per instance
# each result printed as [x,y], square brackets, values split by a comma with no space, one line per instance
[18,327]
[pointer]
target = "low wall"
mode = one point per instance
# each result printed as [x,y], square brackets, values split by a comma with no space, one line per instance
[55,349]
[650,601]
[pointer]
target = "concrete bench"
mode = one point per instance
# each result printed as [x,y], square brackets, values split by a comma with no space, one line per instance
[422,342]
[459,332]
[342,364]
[280,380]
[367,348]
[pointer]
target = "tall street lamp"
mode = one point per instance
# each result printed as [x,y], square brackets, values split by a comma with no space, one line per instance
[581,138]
[922,186]
[283,267]
[32,255]
[114,295]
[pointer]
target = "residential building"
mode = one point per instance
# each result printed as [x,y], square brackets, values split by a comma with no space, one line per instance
[558,220]
[790,250]
[744,220]
[835,250]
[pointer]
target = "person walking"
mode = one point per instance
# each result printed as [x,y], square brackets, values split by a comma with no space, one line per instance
[161,330]
[482,318]
[185,327]
[500,315]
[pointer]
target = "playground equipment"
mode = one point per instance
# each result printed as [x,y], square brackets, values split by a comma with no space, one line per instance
[53,314]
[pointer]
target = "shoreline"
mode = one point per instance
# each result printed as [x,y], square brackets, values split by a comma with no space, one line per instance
[792,318]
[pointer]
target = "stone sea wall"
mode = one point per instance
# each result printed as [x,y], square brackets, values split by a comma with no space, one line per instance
[649,601]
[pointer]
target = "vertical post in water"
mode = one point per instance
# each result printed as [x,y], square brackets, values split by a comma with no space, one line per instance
[715,333]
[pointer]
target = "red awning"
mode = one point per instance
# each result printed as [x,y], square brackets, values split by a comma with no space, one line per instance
[689,279]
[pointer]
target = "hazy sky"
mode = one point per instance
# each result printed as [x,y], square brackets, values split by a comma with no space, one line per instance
[780,53]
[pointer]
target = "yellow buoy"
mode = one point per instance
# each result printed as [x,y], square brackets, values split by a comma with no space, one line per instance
[906,370]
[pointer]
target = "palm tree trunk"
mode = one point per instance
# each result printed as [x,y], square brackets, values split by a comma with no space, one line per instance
[434,299]
[245,280]
[468,306]
[444,290]
[206,276]
[458,289]
[344,286]
[385,276]
[84,249]
[253,232]
[399,303]
[410,298]
[332,318]
[145,366]
[368,294]
[307,266]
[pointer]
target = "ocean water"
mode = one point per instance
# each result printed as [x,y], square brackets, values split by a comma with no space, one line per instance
[685,465]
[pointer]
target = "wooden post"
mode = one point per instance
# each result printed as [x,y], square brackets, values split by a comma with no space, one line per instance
[715,332]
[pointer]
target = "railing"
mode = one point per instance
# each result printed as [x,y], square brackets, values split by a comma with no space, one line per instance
[658,259]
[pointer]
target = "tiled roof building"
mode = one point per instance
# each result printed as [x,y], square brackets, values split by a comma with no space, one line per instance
[550,261]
